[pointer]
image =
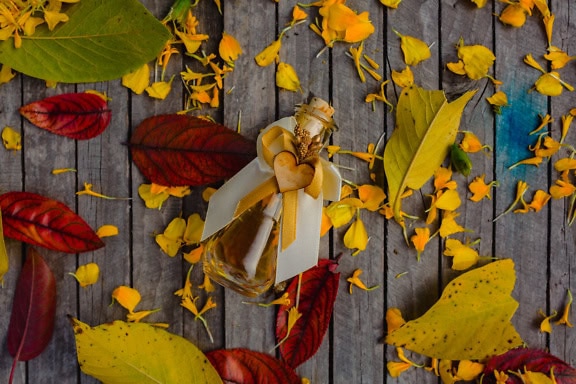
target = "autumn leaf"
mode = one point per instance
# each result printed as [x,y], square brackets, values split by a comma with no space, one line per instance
[426,126]
[4,260]
[33,310]
[79,116]
[527,359]
[470,321]
[250,367]
[48,223]
[318,290]
[139,353]
[176,150]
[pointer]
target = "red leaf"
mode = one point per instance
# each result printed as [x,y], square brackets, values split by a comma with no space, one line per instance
[37,220]
[178,150]
[78,116]
[250,367]
[33,310]
[317,295]
[526,359]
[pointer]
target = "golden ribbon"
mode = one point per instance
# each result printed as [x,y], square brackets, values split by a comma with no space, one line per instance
[279,152]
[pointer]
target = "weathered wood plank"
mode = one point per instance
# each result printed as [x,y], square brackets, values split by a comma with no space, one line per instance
[43,152]
[12,179]
[515,235]
[254,99]
[418,289]
[562,238]
[361,313]
[299,49]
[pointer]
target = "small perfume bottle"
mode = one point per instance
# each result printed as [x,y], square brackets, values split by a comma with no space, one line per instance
[242,255]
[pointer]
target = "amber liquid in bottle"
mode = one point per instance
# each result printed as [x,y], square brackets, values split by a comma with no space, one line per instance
[242,255]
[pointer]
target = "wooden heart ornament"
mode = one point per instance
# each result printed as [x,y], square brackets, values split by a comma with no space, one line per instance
[290,175]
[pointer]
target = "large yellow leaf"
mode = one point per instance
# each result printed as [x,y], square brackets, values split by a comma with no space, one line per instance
[426,126]
[471,320]
[140,353]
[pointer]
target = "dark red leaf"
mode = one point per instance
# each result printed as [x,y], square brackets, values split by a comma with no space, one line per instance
[78,116]
[250,367]
[178,150]
[33,310]
[317,295]
[526,359]
[48,223]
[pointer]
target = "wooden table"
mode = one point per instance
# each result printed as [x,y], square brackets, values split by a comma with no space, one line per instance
[541,244]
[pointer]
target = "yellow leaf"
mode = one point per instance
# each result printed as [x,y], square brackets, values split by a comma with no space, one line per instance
[138,80]
[4,260]
[11,139]
[141,353]
[427,125]
[472,317]
[287,78]
[87,274]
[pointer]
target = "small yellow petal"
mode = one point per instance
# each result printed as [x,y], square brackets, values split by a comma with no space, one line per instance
[87,274]
[107,231]
[229,48]
[269,54]
[356,237]
[287,78]
[137,80]
[11,139]
[127,297]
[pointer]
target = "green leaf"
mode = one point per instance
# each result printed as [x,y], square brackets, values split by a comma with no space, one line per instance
[140,353]
[426,126]
[103,40]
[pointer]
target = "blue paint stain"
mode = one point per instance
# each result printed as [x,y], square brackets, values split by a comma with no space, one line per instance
[512,131]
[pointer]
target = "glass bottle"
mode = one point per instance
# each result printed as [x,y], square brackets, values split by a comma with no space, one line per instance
[242,255]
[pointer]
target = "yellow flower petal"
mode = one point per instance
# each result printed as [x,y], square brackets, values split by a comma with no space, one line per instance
[372,196]
[420,239]
[87,274]
[11,139]
[464,257]
[194,228]
[449,226]
[107,231]
[391,3]
[513,15]
[152,200]
[404,78]
[6,74]
[394,319]
[287,78]
[414,49]
[480,189]
[229,48]
[469,370]
[545,326]
[448,201]
[477,59]
[127,297]
[194,255]
[269,54]
[137,80]
[356,237]
[564,319]
[160,89]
